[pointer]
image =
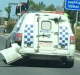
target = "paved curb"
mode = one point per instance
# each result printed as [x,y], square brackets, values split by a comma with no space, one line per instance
[4,35]
[2,26]
[77,53]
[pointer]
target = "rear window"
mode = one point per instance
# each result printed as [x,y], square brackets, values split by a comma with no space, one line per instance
[19,22]
[46,25]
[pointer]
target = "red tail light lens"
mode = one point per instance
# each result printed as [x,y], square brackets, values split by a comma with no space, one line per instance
[72,40]
[19,37]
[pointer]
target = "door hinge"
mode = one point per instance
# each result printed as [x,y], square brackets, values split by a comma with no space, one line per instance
[55,33]
[56,46]
[43,35]
[38,46]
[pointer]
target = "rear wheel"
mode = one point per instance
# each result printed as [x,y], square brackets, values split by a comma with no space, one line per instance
[69,64]
[22,62]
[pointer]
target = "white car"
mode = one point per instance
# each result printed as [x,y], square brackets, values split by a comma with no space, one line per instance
[46,36]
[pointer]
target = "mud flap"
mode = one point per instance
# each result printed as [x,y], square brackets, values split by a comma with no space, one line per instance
[11,54]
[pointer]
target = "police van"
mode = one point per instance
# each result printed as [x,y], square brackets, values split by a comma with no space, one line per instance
[46,36]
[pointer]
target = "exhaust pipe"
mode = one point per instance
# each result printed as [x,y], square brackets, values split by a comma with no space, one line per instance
[11,54]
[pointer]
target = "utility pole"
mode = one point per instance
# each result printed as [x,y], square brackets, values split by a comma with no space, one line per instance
[76,22]
[20,7]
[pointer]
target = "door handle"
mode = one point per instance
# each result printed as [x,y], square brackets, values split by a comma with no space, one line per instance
[44,35]
[56,33]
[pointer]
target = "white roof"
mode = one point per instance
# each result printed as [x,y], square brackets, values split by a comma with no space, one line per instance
[50,14]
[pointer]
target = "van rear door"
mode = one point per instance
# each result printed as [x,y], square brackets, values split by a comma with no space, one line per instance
[50,35]
[46,33]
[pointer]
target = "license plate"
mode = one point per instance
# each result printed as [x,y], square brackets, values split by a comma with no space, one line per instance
[45,44]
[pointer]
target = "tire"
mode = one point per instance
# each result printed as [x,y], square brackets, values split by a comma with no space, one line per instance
[69,64]
[21,62]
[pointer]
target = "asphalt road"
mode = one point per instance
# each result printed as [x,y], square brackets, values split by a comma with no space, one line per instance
[36,69]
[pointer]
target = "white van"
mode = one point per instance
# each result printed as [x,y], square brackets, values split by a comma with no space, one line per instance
[47,36]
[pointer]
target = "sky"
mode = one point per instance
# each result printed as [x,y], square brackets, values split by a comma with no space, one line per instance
[4,3]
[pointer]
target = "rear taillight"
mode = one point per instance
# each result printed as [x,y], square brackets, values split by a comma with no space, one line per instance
[72,40]
[19,37]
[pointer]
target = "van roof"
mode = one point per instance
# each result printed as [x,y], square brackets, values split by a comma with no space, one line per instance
[48,14]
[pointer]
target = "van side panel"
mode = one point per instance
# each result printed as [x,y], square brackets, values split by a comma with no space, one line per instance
[28,35]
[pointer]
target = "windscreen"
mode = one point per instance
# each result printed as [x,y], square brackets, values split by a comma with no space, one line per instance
[19,22]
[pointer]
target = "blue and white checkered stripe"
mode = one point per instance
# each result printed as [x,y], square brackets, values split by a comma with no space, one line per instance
[63,36]
[28,35]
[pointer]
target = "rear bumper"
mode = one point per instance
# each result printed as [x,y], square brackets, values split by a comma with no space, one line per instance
[46,52]
[43,57]
[60,58]
[48,55]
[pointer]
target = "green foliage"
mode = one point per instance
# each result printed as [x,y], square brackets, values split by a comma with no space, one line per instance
[2,19]
[8,9]
[40,6]
[78,39]
[0,10]
[50,8]
[10,25]
[36,6]
[78,24]
[32,4]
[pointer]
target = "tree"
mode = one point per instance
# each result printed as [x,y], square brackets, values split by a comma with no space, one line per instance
[8,9]
[36,6]
[40,6]
[0,10]
[32,4]
[50,8]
